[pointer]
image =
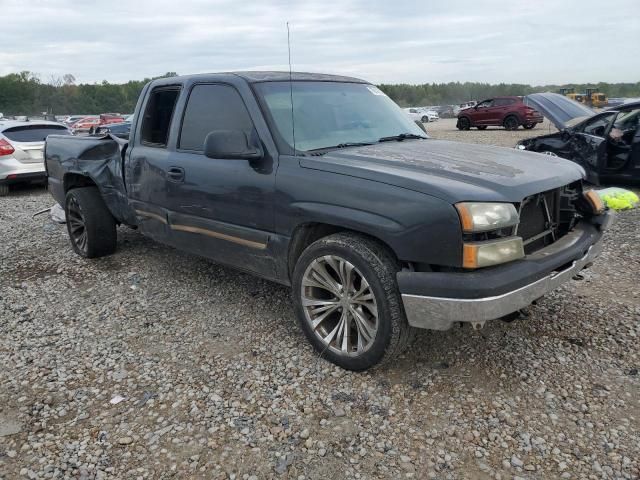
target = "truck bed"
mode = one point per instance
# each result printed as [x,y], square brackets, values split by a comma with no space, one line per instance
[70,159]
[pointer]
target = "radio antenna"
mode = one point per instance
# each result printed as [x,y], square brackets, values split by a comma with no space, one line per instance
[293,124]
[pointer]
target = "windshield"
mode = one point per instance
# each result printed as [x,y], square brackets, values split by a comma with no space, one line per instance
[331,114]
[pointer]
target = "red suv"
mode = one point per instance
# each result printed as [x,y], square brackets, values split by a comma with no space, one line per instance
[508,112]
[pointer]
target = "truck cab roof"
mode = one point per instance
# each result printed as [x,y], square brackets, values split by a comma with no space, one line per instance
[257,77]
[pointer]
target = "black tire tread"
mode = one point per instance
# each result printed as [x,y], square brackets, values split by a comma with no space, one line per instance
[385,266]
[99,223]
[517,124]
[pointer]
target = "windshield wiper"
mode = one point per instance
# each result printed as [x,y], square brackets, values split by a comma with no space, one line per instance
[400,137]
[342,145]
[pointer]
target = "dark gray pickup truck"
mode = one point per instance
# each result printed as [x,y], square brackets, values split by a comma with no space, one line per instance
[323,183]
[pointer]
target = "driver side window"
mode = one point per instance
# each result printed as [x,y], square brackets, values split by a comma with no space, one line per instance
[598,126]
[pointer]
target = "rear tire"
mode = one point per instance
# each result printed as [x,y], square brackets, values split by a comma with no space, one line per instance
[529,126]
[511,123]
[464,123]
[353,317]
[4,190]
[425,119]
[91,227]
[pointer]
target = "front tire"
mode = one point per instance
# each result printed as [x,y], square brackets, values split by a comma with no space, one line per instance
[425,119]
[91,227]
[529,126]
[4,190]
[347,301]
[464,123]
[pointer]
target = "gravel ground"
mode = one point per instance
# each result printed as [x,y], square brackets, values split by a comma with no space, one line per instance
[445,129]
[153,363]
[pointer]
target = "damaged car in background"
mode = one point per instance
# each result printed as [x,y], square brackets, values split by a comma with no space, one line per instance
[606,144]
[377,229]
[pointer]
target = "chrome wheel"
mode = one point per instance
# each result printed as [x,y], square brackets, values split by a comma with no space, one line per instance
[339,305]
[77,227]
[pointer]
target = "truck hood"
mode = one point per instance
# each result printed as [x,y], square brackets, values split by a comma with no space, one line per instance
[560,110]
[451,171]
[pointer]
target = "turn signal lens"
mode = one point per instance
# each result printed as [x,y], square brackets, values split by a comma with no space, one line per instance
[594,200]
[494,252]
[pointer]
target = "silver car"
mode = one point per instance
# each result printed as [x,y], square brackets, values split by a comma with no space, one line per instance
[22,149]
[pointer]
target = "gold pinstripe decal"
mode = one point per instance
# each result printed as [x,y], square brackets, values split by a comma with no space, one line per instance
[222,236]
[204,231]
[160,218]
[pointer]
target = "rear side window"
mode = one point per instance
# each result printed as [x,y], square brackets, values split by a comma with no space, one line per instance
[212,107]
[502,102]
[33,133]
[157,116]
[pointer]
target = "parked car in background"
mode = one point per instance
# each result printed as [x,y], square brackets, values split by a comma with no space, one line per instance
[420,115]
[71,119]
[21,151]
[447,111]
[431,113]
[85,124]
[507,112]
[605,144]
[120,130]
[378,230]
[108,119]
[469,104]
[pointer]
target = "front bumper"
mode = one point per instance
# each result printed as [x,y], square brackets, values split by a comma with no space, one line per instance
[437,300]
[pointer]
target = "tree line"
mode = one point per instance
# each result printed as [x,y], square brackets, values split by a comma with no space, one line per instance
[25,93]
[457,92]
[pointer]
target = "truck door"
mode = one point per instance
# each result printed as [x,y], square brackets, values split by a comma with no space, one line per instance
[215,207]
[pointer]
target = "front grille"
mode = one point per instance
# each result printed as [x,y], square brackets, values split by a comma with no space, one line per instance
[545,217]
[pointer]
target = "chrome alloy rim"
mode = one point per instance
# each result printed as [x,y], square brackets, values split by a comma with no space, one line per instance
[77,228]
[339,305]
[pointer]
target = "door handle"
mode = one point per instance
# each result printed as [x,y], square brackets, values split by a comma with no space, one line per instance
[175,174]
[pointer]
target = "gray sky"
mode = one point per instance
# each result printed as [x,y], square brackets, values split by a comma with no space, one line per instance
[537,42]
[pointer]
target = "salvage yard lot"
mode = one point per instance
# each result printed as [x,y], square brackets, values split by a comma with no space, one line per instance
[219,382]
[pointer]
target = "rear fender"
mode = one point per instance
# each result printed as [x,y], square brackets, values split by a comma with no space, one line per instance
[98,161]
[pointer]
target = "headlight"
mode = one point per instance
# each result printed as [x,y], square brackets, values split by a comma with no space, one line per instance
[492,252]
[484,216]
[520,147]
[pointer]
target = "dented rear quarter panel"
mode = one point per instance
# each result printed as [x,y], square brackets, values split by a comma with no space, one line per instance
[97,158]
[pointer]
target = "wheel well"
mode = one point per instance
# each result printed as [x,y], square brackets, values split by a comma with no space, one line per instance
[305,235]
[512,114]
[75,180]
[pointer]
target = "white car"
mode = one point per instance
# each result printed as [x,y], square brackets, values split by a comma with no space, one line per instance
[421,114]
[22,151]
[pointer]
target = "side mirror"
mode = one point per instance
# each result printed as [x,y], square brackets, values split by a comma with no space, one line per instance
[232,144]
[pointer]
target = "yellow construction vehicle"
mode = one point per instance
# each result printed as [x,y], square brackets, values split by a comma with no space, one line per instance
[591,97]
[594,98]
